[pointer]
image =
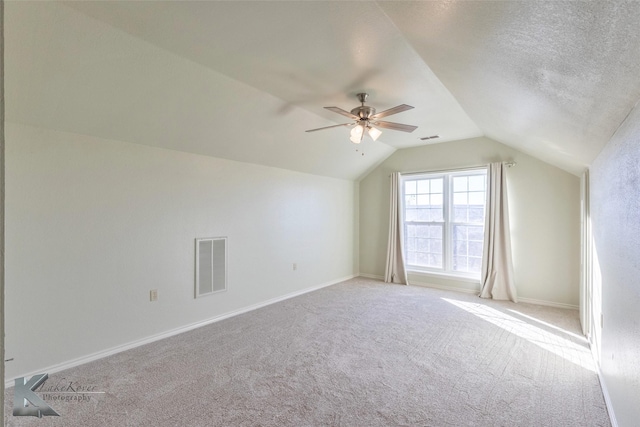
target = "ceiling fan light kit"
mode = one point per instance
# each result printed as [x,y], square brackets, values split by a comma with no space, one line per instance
[374,133]
[357,133]
[365,117]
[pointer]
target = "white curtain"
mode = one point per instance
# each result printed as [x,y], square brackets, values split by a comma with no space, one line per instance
[395,271]
[497,267]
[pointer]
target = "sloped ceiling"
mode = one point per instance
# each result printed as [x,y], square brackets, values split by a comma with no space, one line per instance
[243,80]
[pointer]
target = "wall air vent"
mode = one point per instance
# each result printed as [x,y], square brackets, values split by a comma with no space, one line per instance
[211,265]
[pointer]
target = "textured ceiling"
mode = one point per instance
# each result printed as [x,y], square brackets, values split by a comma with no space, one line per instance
[243,80]
[553,79]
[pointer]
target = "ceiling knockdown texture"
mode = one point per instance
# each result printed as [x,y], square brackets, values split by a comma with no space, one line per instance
[244,80]
[552,79]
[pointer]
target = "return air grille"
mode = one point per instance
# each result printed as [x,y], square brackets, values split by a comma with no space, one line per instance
[211,265]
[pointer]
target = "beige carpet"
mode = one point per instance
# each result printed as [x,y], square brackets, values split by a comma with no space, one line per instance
[360,353]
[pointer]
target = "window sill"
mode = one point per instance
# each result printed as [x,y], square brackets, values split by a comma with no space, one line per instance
[448,276]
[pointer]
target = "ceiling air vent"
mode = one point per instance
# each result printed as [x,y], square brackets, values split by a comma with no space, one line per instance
[430,137]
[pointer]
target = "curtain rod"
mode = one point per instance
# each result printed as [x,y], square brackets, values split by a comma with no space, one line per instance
[507,164]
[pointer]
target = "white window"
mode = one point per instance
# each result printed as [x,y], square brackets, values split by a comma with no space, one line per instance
[443,215]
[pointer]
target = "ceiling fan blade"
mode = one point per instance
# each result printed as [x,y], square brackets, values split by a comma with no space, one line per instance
[394,126]
[329,127]
[390,111]
[343,112]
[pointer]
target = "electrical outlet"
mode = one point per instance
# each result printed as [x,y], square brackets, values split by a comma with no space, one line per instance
[601,320]
[153,295]
[295,266]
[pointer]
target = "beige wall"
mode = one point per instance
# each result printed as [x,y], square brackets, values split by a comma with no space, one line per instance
[544,204]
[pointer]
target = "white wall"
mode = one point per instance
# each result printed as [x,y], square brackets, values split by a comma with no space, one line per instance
[92,225]
[615,219]
[544,204]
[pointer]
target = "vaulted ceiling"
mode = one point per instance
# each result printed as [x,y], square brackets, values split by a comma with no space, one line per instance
[244,80]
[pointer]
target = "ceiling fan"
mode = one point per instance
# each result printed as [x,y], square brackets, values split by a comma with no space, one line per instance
[366,118]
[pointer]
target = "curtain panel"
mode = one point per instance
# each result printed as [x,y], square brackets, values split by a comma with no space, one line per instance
[395,271]
[497,278]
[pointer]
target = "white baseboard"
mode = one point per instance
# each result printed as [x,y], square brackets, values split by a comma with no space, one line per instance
[603,386]
[133,344]
[371,276]
[476,292]
[607,398]
[548,303]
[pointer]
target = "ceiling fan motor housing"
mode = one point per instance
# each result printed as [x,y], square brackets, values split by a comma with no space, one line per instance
[363,112]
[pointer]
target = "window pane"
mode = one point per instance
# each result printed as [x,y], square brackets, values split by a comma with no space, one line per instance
[423,186]
[422,259]
[460,232]
[475,249]
[409,200]
[435,260]
[436,199]
[423,245]
[411,258]
[410,187]
[476,233]
[460,183]
[459,214]
[410,214]
[410,231]
[460,247]
[476,215]
[422,230]
[438,214]
[430,216]
[437,185]
[435,246]
[460,263]
[476,183]
[435,231]
[422,214]
[423,199]
[476,198]
[475,265]
[411,243]
[459,198]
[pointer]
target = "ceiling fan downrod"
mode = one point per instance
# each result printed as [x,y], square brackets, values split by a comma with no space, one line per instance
[363,112]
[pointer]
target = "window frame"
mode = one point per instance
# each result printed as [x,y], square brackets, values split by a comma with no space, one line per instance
[447,221]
